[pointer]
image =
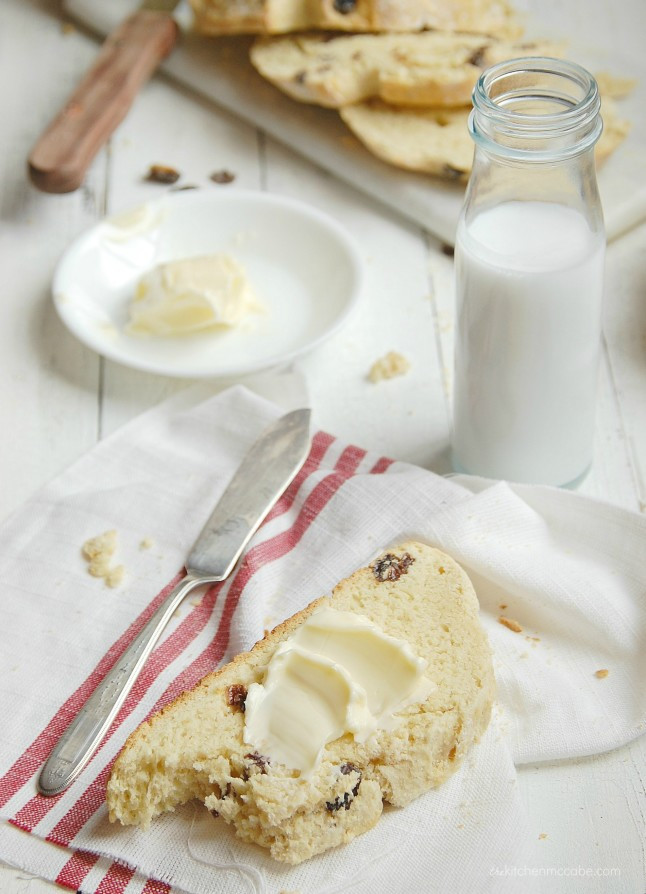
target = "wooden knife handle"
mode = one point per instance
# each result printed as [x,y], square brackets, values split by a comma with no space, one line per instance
[59,160]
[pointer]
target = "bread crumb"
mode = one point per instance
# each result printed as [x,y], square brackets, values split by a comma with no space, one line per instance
[146,543]
[114,576]
[601,673]
[387,367]
[502,606]
[542,836]
[99,566]
[510,624]
[102,545]
[99,552]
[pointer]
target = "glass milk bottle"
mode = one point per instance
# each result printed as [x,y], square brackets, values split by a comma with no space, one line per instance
[529,261]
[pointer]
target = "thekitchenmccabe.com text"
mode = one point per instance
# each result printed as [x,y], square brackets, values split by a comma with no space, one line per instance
[556,871]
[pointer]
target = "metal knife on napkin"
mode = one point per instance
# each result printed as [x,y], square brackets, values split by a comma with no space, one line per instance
[265,472]
[129,56]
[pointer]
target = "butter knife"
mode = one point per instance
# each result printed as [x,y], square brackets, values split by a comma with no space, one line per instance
[60,158]
[266,470]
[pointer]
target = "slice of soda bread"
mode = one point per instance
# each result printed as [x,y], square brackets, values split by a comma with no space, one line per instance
[282,16]
[427,68]
[437,141]
[194,748]
[429,140]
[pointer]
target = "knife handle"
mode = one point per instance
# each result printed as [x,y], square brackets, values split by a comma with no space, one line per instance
[85,733]
[59,160]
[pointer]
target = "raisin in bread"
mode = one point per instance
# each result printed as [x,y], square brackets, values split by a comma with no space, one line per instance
[437,141]
[281,16]
[194,747]
[429,68]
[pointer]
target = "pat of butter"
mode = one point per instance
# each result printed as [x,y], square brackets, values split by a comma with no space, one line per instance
[192,294]
[339,673]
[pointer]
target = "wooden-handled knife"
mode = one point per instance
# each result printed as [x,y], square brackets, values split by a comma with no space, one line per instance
[129,56]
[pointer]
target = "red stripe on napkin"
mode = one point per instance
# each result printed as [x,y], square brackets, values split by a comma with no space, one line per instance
[29,762]
[82,811]
[258,556]
[320,444]
[73,874]
[38,806]
[382,465]
[153,886]
[75,870]
[116,879]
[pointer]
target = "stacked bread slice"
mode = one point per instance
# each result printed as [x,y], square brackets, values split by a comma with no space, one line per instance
[400,74]
[421,69]
[283,16]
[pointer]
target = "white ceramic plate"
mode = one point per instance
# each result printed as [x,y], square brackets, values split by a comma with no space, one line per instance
[301,264]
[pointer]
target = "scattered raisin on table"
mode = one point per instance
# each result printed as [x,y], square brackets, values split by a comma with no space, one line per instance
[162,174]
[223,177]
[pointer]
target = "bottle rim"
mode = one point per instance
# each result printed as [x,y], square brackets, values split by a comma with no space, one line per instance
[568,131]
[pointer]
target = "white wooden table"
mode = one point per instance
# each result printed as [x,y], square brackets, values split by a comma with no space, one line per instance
[58,398]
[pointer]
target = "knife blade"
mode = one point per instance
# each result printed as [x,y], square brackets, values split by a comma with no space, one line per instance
[130,54]
[265,472]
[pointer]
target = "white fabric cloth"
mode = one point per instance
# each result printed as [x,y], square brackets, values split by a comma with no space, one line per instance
[567,569]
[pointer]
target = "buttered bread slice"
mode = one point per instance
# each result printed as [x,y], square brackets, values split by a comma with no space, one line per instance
[282,16]
[371,695]
[428,68]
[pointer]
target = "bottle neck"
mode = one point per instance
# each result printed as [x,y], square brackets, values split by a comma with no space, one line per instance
[535,123]
[535,111]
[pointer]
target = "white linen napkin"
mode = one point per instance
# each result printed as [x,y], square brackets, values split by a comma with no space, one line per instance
[569,572]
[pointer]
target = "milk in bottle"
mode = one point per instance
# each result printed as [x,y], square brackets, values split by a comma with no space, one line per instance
[529,265]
